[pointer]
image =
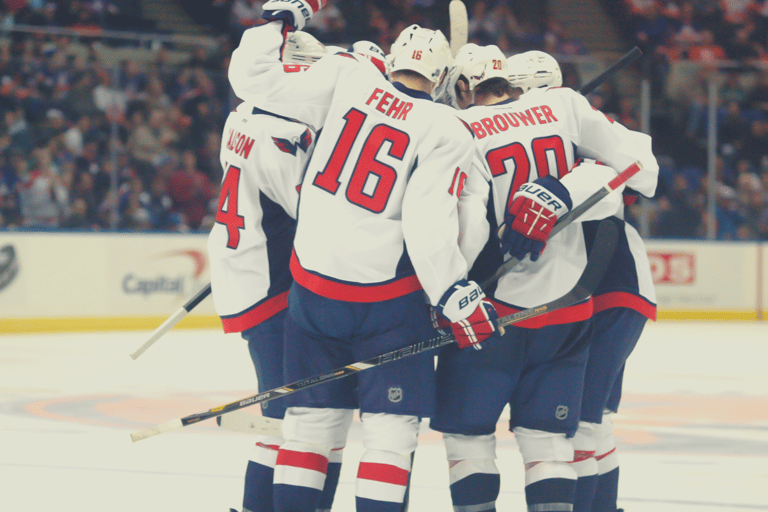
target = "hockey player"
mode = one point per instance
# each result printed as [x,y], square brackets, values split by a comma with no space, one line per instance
[623,302]
[263,157]
[530,143]
[378,228]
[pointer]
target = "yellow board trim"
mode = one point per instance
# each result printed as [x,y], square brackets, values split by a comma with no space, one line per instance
[703,314]
[150,323]
[100,324]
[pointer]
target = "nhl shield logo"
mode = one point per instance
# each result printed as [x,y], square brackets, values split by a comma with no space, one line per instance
[395,394]
[561,412]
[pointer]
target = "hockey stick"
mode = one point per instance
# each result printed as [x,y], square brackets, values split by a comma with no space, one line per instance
[571,216]
[602,252]
[173,320]
[623,62]
[457,13]
[245,423]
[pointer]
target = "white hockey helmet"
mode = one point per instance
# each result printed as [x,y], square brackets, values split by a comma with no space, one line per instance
[303,48]
[456,71]
[425,52]
[374,53]
[485,63]
[530,70]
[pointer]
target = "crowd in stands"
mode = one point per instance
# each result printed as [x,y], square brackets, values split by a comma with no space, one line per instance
[692,43]
[81,139]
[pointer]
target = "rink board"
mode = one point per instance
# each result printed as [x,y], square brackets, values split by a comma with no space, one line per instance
[60,282]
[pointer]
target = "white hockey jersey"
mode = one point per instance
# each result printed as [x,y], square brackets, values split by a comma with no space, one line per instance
[263,157]
[542,134]
[378,212]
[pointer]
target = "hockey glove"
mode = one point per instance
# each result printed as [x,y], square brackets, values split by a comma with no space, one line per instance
[295,12]
[472,317]
[535,208]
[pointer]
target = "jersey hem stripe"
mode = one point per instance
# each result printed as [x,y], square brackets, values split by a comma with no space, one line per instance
[257,314]
[347,292]
[625,300]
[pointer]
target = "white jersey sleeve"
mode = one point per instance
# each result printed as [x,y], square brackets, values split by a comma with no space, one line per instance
[587,178]
[601,138]
[429,206]
[258,76]
[473,209]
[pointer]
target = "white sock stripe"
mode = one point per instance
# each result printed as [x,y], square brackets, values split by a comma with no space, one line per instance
[461,469]
[491,505]
[379,491]
[586,467]
[299,477]
[547,470]
[551,507]
[336,455]
[264,455]
[608,463]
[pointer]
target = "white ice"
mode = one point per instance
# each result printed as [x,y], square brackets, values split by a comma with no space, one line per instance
[692,430]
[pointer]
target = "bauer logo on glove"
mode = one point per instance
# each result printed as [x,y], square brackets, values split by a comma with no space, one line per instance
[534,211]
[471,317]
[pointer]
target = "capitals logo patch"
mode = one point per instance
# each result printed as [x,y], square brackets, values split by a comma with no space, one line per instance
[290,147]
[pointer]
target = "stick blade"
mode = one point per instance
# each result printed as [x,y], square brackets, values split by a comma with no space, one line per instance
[158,429]
[457,13]
[237,421]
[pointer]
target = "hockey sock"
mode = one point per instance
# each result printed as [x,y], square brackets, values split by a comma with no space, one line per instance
[585,464]
[550,486]
[382,479]
[607,468]
[299,478]
[406,498]
[331,480]
[257,495]
[607,489]
[474,484]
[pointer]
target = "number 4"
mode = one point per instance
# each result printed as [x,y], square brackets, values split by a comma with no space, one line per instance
[229,217]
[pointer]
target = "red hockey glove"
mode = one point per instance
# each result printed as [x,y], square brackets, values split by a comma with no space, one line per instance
[472,317]
[535,208]
[295,12]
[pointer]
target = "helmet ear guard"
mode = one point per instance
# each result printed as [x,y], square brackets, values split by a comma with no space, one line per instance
[303,48]
[534,69]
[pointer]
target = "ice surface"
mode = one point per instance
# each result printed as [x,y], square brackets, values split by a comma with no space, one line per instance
[692,430]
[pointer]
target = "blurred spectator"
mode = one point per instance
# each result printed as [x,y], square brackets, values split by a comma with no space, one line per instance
[190,190]
[708,50]
[42,196]
[244,15]
[681,211]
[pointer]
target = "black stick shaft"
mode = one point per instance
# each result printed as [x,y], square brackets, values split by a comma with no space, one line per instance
[198,298]
[623,62]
